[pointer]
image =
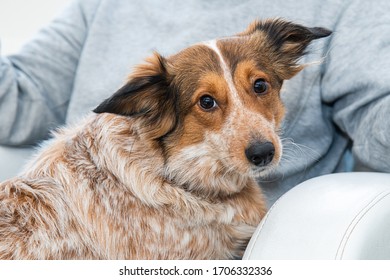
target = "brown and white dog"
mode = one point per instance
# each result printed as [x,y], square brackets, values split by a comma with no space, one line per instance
[165,167]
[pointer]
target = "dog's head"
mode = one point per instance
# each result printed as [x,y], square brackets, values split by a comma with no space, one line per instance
[215,107]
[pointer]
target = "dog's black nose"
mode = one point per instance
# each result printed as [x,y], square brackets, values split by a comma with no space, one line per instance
[260,153]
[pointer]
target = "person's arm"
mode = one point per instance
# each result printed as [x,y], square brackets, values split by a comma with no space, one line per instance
[36,83]
[356,82]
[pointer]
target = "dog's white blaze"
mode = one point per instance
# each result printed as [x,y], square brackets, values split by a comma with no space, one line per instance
[239,106]
[226,72]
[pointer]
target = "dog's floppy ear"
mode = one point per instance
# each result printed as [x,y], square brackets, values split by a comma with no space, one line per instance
[288,42]
[146,95]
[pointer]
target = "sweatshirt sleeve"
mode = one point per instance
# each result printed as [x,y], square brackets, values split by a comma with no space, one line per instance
[356,82]
[36,83]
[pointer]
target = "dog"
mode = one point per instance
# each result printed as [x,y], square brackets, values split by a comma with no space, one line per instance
[166,167]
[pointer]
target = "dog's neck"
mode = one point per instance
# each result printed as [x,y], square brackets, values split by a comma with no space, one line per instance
[203,176]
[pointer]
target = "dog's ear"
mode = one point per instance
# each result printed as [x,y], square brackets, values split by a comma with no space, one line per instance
[288,42]
[147,95]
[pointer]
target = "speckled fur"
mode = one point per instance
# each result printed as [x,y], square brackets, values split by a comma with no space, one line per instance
[151,175]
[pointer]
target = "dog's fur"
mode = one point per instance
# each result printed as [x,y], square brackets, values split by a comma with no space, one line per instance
[152,174]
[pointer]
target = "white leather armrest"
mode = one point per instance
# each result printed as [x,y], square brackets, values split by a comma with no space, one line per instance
[12,160]
[338,216]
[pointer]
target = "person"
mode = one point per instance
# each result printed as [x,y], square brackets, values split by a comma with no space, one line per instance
[340,102]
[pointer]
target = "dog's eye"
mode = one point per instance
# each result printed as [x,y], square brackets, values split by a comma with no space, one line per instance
[207,103]
[260,86]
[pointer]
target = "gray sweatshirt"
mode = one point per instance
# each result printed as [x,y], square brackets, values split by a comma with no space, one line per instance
[340,101]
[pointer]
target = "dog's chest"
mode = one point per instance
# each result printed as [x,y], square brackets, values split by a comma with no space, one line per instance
[135,231]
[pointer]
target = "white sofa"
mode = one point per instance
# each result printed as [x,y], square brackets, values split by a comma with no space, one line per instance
[338,216]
